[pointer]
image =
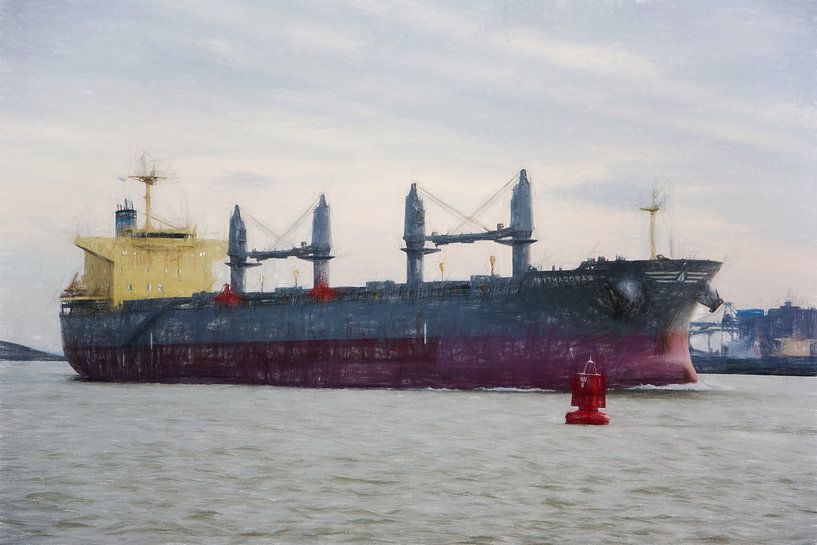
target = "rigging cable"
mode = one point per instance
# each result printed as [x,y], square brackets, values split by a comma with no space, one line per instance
[297,222]
[255,221]
[485,203]
[451,209]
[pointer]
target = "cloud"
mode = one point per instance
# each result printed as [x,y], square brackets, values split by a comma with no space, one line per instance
[616,193]
[604,59]
[244,179]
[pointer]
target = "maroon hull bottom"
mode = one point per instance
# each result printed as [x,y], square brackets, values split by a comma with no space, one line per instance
[399,363]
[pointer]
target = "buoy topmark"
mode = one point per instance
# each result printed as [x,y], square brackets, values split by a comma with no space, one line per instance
[589,395]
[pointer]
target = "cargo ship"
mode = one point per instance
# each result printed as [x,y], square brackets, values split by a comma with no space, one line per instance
[145,310]
[754,341]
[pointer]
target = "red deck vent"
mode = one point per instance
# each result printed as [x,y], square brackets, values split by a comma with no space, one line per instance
[322,292]
[589,395]
[227,297]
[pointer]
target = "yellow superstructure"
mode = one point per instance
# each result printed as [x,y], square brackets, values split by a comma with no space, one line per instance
[140,267]
[145,263]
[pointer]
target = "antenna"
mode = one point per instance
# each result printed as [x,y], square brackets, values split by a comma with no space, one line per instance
[653,208]
[149,179]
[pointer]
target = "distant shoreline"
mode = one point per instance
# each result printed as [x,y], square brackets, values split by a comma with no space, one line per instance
[18,352]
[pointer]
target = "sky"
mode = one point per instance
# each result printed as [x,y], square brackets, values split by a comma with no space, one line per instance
[269,104]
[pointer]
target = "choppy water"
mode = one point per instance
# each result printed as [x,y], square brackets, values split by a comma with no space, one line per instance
[732,460]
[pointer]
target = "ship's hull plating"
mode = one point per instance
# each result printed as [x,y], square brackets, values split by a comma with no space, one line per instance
[462,364]
[494,334]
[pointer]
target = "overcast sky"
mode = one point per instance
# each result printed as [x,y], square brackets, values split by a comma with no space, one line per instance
[267,104]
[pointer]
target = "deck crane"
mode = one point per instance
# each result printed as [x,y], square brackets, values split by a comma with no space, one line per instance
[517,235]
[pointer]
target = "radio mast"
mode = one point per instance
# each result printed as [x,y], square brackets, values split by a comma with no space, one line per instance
[149,179]
[653,208]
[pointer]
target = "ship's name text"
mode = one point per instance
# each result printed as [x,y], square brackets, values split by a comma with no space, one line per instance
[574,279]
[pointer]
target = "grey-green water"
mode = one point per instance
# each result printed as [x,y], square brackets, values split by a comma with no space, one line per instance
[732,460]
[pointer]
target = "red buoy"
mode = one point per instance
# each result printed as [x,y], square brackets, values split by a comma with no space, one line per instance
[589,395]
[227,297]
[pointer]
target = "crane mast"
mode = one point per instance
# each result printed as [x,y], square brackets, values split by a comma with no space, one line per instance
[518,235]
[319,251]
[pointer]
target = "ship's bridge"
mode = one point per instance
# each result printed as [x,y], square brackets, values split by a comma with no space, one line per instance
[146,263]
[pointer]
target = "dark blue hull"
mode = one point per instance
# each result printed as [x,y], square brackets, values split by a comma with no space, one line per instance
[631,316]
